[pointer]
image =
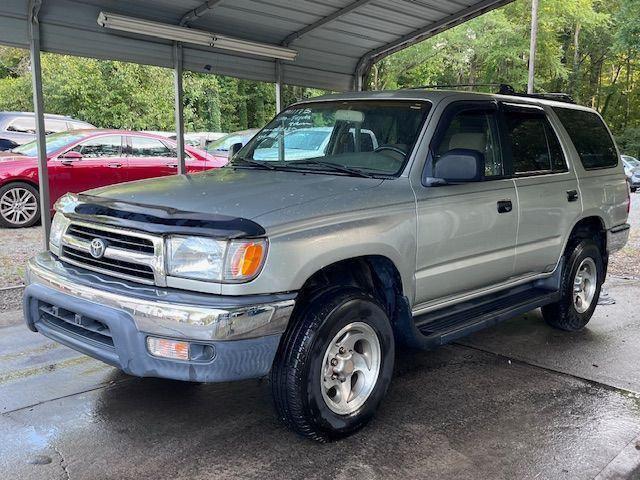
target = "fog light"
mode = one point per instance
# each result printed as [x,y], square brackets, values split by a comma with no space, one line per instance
[165,348]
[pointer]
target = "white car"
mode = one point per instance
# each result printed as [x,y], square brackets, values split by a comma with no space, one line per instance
[309,143]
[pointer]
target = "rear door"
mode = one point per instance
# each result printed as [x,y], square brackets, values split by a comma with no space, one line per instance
[546,184]
[102,163]
[466,236]
[149,157]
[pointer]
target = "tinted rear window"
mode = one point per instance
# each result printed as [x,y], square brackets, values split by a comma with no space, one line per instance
[590,137]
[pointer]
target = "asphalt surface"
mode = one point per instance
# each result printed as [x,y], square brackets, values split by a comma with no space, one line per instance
[517,401]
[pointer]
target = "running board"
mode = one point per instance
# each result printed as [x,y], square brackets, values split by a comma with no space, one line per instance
[443,326]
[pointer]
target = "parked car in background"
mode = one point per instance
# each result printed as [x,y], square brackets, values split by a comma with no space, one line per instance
[632,171]
[6,144]
[311,143]
[199,139]
[20,127]
[82,159]
[220,148]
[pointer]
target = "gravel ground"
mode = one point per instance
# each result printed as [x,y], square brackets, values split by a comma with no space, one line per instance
[16,246]
[626,262]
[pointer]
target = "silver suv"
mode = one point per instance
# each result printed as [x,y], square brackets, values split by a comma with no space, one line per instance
[427,216]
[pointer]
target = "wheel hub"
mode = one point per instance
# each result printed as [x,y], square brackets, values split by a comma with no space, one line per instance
[350,368]
[584,285]
[18,206]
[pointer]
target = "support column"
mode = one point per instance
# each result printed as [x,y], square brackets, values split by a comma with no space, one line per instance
[533,45]
[179,106]
[38,108]
[279,86]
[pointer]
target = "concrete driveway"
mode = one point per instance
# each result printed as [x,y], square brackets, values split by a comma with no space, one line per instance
[518,401]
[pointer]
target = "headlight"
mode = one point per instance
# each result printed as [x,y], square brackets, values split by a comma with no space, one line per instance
[58,226]
[202,258]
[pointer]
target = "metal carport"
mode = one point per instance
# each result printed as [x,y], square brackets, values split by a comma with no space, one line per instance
[336,41]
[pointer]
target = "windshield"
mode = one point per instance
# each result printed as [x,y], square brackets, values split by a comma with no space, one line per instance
[632,162]
[371,136]
[54,142]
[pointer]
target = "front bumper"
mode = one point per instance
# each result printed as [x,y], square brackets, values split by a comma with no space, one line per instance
[111,320]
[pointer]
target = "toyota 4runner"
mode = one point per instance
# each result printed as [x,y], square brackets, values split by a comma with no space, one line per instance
[426,216]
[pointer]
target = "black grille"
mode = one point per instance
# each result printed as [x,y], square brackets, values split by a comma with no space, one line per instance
[74,324]
[119,266]
[119,240]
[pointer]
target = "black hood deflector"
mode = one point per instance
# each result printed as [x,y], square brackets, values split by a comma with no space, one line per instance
[161,220]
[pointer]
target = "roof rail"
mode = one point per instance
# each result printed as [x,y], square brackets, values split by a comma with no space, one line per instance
[505,89]
[558,97]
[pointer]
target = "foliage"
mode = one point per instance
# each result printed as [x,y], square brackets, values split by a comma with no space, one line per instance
[588,48]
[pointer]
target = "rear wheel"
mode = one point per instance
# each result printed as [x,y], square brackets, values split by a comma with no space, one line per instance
[334,365]
[19,205]
[582,278]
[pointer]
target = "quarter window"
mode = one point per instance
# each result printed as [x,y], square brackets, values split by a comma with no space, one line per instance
[149,147]
[474,130]
[534,145]
[590,137]
[100,147]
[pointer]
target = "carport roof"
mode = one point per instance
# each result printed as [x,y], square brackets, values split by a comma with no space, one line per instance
[335,39]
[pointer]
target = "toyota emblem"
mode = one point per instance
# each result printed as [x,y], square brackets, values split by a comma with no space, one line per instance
[98,246]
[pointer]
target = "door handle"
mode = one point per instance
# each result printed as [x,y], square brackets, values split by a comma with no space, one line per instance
[572,195]
[505,206]
[114,165]
[172,165]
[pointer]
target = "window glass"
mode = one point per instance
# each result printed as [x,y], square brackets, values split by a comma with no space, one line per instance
[55,126]
[558,161]
[100,147]
[149,147]
[54,142]
[527,133]
[590,137]
[474,130]
[328,129]
[23,125]
[223,144]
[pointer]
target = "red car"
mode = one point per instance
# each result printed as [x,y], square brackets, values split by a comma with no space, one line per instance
[83,159]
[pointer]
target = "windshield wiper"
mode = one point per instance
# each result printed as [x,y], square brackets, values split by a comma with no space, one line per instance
[334,166]
[250,161]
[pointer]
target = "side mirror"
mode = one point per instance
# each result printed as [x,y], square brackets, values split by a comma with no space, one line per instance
[67,158]
[460,165]
[233,149]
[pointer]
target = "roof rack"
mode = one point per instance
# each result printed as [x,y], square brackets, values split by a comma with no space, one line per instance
[558,97]
[505,89]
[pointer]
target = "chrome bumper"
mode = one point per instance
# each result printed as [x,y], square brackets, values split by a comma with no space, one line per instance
[168,312]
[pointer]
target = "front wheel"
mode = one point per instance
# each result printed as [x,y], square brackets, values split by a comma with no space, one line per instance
[582,278]
[334,365]
[19,205]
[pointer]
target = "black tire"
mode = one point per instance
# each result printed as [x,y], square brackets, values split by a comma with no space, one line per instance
[6,192]
[296,376]
[564,314]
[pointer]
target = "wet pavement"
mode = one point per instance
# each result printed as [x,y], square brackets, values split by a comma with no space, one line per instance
[517,401]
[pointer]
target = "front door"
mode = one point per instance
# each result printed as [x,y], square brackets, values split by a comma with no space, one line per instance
[466,232]
[101,163]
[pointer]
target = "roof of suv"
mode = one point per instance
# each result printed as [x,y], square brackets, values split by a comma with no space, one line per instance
[436,96]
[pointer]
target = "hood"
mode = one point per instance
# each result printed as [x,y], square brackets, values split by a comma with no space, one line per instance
[237,192]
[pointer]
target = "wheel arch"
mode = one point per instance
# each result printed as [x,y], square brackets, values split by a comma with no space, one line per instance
[377,275]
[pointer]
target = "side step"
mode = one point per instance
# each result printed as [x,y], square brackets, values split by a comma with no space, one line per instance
[442,326]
